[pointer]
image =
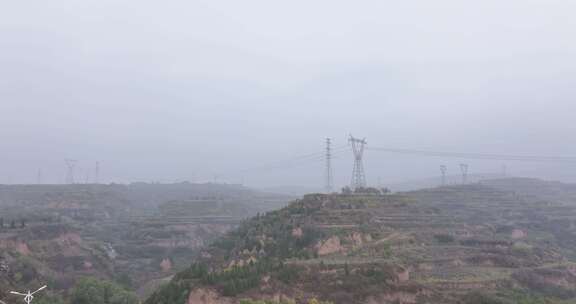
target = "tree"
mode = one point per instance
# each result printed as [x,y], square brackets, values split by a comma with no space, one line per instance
[48,299]
[346,190]
[315,301]
[367,190]
[94,291]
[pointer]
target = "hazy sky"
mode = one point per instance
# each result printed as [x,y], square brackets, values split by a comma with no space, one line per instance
[172,90]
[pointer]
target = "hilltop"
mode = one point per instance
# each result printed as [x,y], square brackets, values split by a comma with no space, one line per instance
[478,243]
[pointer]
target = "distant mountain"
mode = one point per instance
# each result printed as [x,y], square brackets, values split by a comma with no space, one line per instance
[433,182]
[296,191]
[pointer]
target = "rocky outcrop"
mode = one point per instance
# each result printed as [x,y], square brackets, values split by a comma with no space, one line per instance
[357,239]
[518,234]
[297,232]
[331,245]
[166,265]
[395,297]
[15,244]
[206,296]
[403,276]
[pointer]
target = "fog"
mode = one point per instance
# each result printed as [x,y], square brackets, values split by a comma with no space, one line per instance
[208,90]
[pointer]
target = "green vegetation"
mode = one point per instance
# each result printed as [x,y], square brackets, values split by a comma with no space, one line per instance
[512,297]
[312,301]
[48,299]
[238,279]
[230,282]
[280,244]
[444,238]
[429,246]
[94,291]
[53,234]
[521,249]
[247,301]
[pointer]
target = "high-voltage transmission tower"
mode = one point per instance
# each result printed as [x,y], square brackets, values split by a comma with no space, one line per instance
[39,177]
[97,173]
[464,170]
[328,182]
[443,170]
[358,176]
[70,166]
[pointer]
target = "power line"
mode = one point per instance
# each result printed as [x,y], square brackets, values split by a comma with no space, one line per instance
[295,161]
[464,155]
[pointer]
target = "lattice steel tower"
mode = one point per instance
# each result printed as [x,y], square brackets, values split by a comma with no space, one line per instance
[358,176]
[443,170]
[464,170]
[97,173]
[70,166]
[328,182]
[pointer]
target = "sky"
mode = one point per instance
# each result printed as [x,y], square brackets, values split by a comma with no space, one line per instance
[216,90]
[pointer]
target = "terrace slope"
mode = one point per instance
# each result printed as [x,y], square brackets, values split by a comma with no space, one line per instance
[458,244]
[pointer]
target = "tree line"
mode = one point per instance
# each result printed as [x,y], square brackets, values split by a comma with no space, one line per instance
[13,224]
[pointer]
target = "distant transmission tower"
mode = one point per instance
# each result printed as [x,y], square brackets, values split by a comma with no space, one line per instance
[97,173]
[39,177]
[443,170]
[70,166]
[464,170]
[328,182]
[358,176]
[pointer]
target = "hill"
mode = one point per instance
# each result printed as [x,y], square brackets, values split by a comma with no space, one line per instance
[480,243]
[132,234]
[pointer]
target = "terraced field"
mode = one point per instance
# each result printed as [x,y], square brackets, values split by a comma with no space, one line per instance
[132,234]
[440,245]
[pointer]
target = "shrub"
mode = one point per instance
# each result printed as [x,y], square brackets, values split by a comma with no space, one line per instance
[521,249]
[444,238]
[94,291]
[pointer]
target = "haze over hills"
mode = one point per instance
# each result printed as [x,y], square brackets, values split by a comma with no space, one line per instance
[338,152]
[494,242]
[130,234]
[437,181]
[499,241]
[406,185]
